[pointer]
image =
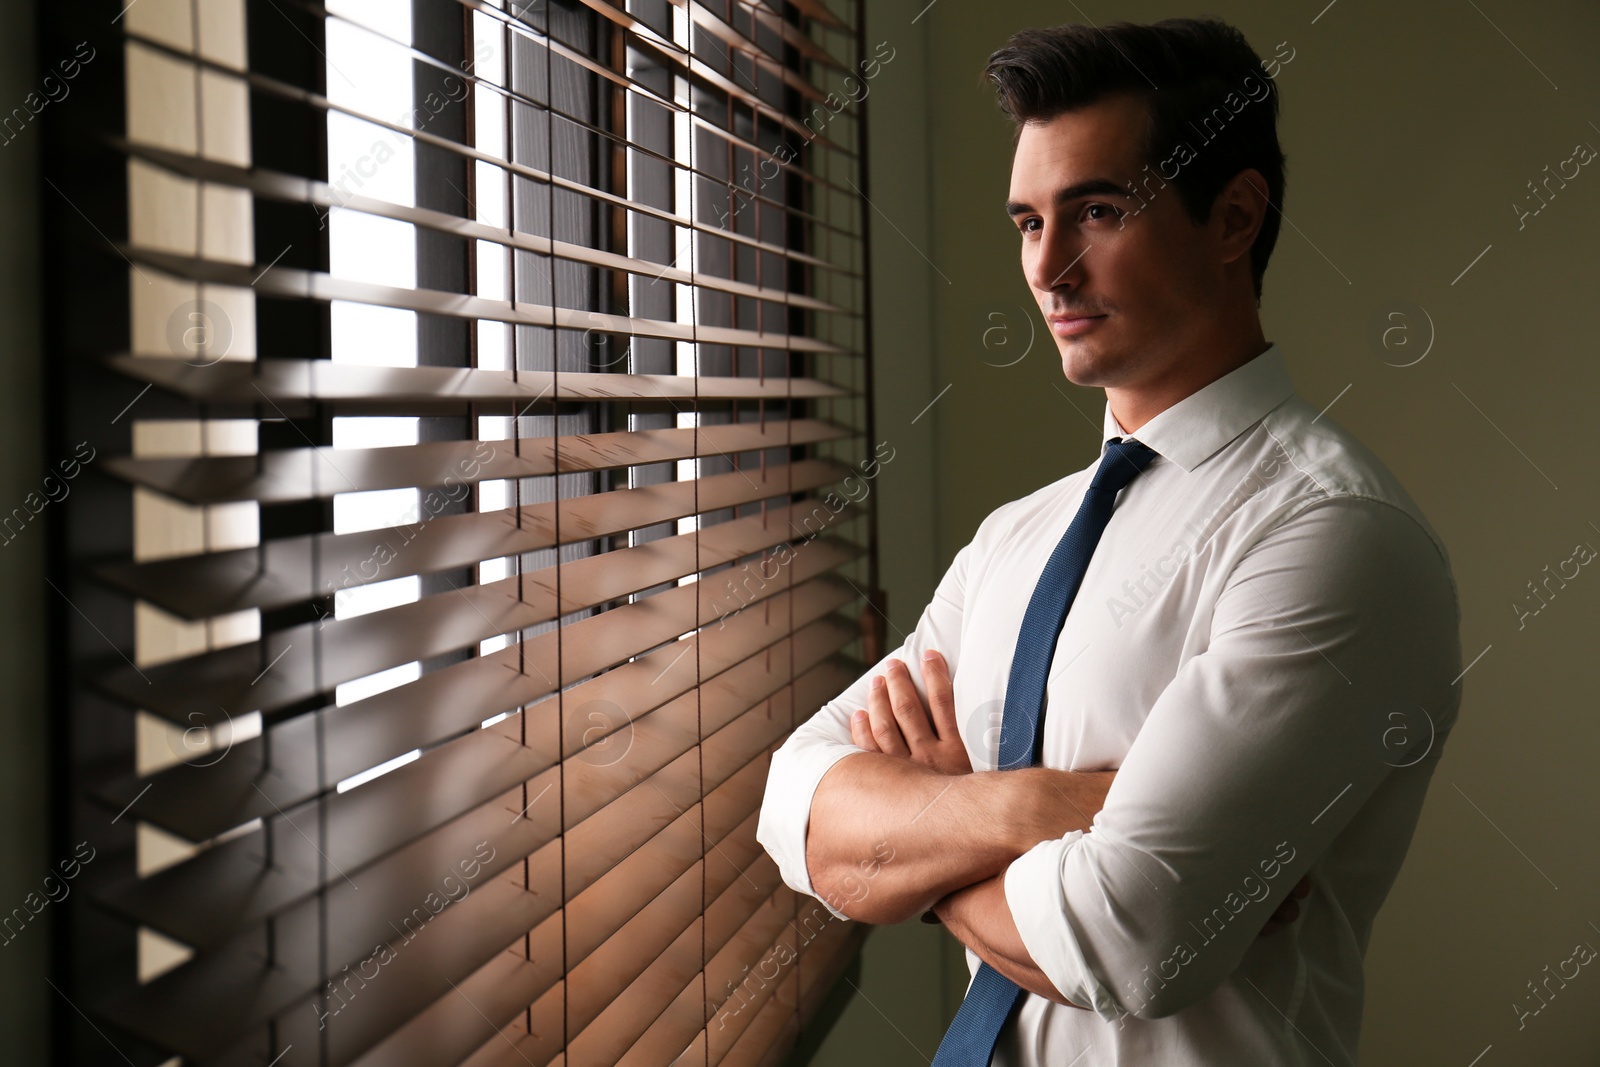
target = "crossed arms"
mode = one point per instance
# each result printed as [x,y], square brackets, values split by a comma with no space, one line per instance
[954,832]
[1122,885]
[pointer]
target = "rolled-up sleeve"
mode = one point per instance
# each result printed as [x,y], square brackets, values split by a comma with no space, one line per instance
[820,742]
[1336,629]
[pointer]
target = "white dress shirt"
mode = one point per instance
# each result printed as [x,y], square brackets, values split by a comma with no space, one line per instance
[1266,648]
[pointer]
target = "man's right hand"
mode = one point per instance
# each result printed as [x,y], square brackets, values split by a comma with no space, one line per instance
[1289,910]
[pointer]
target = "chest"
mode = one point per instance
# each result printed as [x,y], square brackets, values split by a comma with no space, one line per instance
[1143,608]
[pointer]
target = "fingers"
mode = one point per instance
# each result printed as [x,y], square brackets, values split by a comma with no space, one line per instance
[1289,910]
[861,732]
[941,695]
[896,721]
[1280,919]
[910,713]
[882,720]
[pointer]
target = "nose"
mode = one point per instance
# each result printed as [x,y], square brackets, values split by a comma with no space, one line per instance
[1058,260]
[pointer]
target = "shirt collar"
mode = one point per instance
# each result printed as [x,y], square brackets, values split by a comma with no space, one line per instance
[1192,430]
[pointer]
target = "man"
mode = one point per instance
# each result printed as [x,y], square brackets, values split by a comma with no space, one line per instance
[1257,665]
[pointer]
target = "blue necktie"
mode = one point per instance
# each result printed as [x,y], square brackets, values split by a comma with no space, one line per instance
[993,997]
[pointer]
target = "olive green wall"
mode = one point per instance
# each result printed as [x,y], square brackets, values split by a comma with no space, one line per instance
[1411,130]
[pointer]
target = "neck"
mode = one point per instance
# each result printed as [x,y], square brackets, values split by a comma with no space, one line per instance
[1134,405]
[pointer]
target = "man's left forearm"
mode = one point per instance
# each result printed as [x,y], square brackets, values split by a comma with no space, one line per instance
[980,918]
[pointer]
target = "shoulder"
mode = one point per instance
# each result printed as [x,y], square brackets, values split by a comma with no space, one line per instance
[1335,474]
[1358,544]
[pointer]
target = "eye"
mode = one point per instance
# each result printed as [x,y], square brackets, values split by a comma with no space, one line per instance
[1114,212]
[1025,223]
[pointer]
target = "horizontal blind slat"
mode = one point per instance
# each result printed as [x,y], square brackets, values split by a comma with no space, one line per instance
[281,381]
[224,685]
[700,73]
[272,185]
[293,474]
[226,888]
[291,282]
[201,1007]
[292,570]
[200,800]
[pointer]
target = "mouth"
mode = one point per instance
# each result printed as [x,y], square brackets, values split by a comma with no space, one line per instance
[1072,325]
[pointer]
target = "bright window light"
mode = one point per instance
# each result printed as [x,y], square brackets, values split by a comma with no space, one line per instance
[378,509]
[373,684]
[365,599]
[374,431]
[371,75]
[379,771]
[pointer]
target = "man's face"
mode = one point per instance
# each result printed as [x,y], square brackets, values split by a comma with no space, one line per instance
[1150,278]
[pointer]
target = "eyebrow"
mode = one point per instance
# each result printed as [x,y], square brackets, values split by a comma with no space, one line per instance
[1089,187]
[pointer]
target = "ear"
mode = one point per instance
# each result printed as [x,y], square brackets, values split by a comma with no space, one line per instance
[1242,207]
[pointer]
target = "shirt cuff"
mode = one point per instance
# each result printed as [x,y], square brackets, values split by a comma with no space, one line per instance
[1035,894]
[796,768]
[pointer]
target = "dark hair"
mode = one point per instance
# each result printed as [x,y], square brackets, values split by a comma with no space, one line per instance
[1183,69]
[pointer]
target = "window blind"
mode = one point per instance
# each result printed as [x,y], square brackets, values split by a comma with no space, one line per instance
[490,497]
